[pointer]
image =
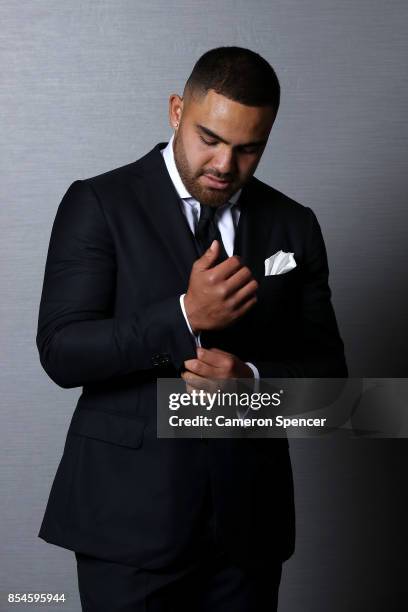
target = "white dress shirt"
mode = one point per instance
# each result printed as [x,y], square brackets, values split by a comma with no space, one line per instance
[226,217]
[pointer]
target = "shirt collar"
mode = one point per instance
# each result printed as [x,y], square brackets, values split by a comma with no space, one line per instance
[168,156]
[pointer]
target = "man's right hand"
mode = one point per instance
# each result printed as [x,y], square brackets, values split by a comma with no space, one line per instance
[220,294]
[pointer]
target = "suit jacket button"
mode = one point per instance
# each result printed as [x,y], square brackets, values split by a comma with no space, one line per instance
[156,360]
[160,360]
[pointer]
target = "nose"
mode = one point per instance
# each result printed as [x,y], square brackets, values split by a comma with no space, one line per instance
[223,163]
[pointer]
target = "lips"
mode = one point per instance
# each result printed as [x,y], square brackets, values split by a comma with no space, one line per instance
[216,183]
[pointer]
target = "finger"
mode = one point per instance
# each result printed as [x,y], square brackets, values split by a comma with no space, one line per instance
[188,389]
[238,280]
[239,312]
[225,362]
[190,378]
[198,382]
[201,368]
[189,363]
[225,269]
[212,357]
[208,259]
[243,295]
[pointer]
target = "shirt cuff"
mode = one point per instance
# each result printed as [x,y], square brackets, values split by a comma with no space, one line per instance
[256,375]
[183,310]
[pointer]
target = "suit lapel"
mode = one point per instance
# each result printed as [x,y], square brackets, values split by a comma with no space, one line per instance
[253,231]
[162,206]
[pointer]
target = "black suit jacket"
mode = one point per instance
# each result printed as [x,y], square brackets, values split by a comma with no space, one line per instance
[110,321]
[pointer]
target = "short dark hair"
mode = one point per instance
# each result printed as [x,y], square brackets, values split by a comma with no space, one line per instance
[236,73]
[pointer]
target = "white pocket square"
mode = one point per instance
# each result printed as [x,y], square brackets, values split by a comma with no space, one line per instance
[279,263]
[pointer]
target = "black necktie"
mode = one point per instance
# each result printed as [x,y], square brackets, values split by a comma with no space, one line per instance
[207,231]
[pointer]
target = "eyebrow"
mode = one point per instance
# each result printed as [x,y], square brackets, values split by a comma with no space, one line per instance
[214,135]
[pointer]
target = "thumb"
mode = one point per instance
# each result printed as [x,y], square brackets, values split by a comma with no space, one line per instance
[210,256]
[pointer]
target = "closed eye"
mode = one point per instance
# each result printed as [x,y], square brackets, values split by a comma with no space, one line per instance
[245,150]
[207,142]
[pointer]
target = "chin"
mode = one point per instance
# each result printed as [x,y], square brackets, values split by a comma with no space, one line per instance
[214,199]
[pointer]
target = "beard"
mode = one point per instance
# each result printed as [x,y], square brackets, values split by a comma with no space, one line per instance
[205,195]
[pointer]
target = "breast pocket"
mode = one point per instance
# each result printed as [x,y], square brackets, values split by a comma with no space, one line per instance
[107,427]
[281,287]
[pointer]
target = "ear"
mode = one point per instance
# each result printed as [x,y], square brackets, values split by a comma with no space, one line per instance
[175,110]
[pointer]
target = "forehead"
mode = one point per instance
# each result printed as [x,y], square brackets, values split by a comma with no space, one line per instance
[229,119]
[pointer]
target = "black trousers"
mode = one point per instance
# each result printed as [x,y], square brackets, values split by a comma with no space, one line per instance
[207,582]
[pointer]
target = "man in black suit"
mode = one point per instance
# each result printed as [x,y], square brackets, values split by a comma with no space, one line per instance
[157,269]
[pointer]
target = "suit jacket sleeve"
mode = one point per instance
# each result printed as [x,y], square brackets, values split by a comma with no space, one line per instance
[79,339]
[320,351]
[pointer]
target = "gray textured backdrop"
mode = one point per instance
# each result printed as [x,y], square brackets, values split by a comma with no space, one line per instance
[85,88]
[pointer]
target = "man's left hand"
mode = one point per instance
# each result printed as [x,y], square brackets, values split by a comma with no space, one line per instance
[214,364]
